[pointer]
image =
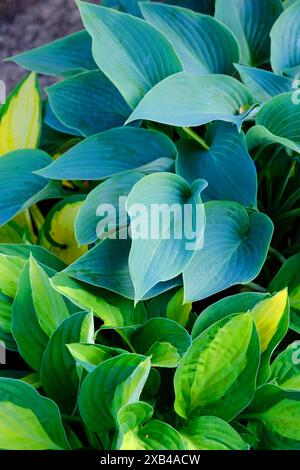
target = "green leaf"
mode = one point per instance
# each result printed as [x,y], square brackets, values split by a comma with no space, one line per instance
[225,162]
[113,152]
[113,384]
[25,188]
[188,100]
[10,269]
[251,22]
[289,276]
[264,84]
[285,370]
[90,356]
[203,44]
[177,310]
[59,374]
[285,54]
[27,420]
[40,254]
[276,123]
[65,56]
[113,310]
[235,248]
[160,251]
[106,266]
[217,375]
[92,224]
[163,339]
[119,45]
[134,434]
[211,433]
[88,103]
[278,412]
[5,313]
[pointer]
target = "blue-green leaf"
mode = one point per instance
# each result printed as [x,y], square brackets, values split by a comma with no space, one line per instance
[236,243]
[88,103]
[113,152]
[203,43]
[52,121]
[130,52]
[202,6]
[251,22]
[126,6]
[188,100]
[163,243]
[226,166]
[285,51]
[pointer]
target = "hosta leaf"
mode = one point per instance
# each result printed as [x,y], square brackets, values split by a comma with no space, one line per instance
[57,233]
[202,6]
[134,434]
[285,370]
[163,339]
[59,374]
[10,269]
[251,22]
[289,276]
[277,123]
[177,310]
[20,117]
[5,314]
[217,376]
[211,433]
[112,152]
[28,420]
[12,233]
[92,223]
[264,84]
[65,56]
[90,356]
[285,54]
[226,161]
[278,411]
[225,307]
[52,121]
[160,251]
[19,185]
[88,103]
[113,309]
[113,384]
[40,254]
[49,305]
[188,100]
[203,43]
[126,6]
[119,45]
[235,248]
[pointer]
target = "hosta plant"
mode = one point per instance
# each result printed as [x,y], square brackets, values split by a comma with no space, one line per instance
[117,335]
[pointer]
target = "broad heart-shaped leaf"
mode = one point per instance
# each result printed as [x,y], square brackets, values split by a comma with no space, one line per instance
[225,162]
[278,412]
[277,123]
[251,22]
[136,432]
[113,309]
[103,212]
[59,374]
[189,100]
[177,310]
[162,339]
[66,56]
[225,307]
[89,356]
[19,185]
[49,305]
[236,243]
[10,269]
[211,433]
[28,421]
[203,44]
[264,84]
[202,6]
[285,370]
[89,103]
[167,227]
[113,384]
[217,375]
[40,254]
[20,117]
[52,121]
[289,276]
[113,152]
[285,54]
[126,6]
[129,51]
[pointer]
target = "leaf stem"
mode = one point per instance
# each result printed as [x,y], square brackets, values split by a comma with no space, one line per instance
[277,255]
[256,287]
[70,418]
[196,137]
[285,183]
